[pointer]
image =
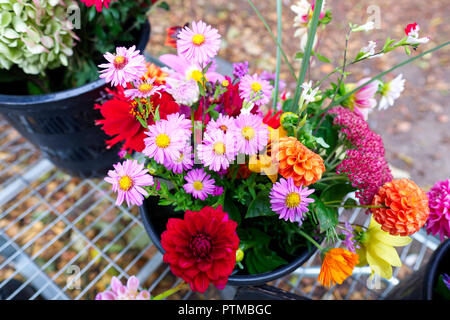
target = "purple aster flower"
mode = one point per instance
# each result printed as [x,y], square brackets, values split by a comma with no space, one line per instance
[254,89]
[199,184]
[223,122]
[127,180]
[439,202]
[290,201]
[446,279]
[349,241]
[240,69]
[251,134]
[126,65]
[143,89]
[120,292]
[165,141]
[199,44]
[181,122]
[217,150]
[184,162]
[218,191]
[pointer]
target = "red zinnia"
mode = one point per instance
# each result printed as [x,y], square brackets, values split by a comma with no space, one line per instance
[120,120]
[201,248]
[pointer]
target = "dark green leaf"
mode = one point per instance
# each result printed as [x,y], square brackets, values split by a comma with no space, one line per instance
[260,207]
[230,207]
[327,216]
[164,5]
[322,58]
[262,260]
[336,192]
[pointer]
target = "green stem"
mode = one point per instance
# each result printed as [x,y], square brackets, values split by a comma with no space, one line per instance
[277,70]
[170,291]
[310,239]
[336,177]
[291,69]
[307,53]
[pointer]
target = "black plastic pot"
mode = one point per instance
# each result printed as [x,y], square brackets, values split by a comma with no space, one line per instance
[155,218]
[421,284]
[62,125]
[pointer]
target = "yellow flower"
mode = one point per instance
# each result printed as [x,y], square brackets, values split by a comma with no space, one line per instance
[377,249]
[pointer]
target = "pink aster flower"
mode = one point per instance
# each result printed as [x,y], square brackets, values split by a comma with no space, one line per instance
[199,184]
[126,65]
[185,92]
[439,203]
[363,99]
[290,201]
[199,44]
[217,150]
[165,141]
[120,292]
[143,89]
[127,180]
[184,162]
[255,89]
[223,122]
[251,134]
[180,121]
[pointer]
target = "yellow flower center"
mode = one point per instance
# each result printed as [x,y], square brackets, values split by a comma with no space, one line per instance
[219,148]
[125,183]
[198,39]
[162,140]
[145,87]
[225,83]
[292,200]
[256,86]
[248,133]
[196,75]
[198,185]
[120,62]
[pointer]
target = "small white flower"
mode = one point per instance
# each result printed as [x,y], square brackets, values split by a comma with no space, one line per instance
[391,91]
[185,92]
[369,51]
[369,25]
[309,94]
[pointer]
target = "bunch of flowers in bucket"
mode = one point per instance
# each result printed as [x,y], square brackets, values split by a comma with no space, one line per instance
[259,176]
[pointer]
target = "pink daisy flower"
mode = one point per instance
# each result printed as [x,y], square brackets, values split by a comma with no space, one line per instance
[217,150]
[223,123]
[126,65]
[439,202]
[120,292]
[254,89]
[179,120]
[184,162]
[199,44]
[127,180]
[290,201]
[199,184]
[165,141]
[251,134]
[143,89]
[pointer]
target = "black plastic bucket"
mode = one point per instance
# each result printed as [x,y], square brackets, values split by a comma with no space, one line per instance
[155,218]
[62,125]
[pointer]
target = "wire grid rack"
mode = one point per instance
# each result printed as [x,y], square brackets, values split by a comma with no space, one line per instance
[63,238]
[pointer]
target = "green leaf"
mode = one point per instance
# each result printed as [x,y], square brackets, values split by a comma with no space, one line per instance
[322,142]
[262,260]
[336,192]
[322,58]
[299,55]
[327,216]
[260,207]
[164,5]
[230,207]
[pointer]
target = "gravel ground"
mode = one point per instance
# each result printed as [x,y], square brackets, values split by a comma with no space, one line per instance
[415,130]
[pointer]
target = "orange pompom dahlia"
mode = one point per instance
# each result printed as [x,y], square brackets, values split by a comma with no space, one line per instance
[298,162]
[406,207]
[337,265]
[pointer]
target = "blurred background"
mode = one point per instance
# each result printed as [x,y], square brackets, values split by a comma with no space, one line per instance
[416,130]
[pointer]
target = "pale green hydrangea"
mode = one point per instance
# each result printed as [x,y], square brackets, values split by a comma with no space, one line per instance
[36,34]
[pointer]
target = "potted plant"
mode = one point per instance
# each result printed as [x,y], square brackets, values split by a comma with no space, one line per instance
[237,183]
[49,51]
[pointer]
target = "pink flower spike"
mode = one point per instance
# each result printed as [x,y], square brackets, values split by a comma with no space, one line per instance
[199,44]
[127,180]
[127,65]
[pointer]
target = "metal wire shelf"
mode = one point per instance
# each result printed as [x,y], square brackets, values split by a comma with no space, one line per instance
[63,238]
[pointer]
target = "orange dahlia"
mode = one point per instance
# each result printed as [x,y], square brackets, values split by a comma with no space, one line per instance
[155,72]
[406,207]
[298,162]
[337,266]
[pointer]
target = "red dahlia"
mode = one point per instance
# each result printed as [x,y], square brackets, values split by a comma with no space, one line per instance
[201,248]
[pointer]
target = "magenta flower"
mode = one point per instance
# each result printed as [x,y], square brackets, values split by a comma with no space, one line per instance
[199,44]
[290,201]
[184,162]
[120,292]
[127,180]
[126,65]
[255,89]
[251,134]
[217,150]
[439,202]
[165,141]
[143,89]
[240,69]
[181,122]
[199,184]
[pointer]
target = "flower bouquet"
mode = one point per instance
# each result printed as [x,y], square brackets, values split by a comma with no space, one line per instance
[255,176]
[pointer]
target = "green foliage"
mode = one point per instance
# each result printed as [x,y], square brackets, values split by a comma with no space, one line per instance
[260,206]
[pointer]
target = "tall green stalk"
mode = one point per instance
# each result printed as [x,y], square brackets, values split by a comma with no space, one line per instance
[307,54]
[277,70]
